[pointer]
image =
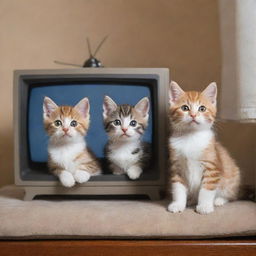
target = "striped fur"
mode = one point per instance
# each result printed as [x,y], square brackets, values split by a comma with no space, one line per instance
[202,167]
[125,151]
[69,157]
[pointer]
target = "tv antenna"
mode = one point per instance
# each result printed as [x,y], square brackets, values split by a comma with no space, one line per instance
[92,62]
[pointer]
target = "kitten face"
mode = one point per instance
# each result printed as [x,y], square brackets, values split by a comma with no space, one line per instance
[125,122]
[66,123]
[192,110]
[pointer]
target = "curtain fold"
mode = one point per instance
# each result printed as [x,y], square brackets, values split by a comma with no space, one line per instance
[238,45]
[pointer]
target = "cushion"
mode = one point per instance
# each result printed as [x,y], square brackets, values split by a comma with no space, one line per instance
[126,219]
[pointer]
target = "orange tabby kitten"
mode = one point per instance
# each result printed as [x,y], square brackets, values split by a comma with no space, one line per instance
[69,157]
[202,170]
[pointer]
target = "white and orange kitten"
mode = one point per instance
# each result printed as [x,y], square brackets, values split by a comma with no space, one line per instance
[202,171]
[68,156]
[125,126]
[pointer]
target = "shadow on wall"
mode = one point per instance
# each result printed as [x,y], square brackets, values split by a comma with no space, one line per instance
[6,156]
[239,139]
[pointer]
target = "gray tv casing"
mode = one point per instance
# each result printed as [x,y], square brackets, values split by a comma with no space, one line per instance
[103,184]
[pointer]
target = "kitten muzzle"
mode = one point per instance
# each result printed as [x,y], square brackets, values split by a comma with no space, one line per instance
[193,121]
[66,135]
[125,135]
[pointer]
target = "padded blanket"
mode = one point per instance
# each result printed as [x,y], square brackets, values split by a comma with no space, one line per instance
[115,219]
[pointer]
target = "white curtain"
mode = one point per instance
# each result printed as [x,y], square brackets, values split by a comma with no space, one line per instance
[238,44]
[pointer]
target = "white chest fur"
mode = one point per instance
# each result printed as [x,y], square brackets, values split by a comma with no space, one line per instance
[189,149]
[121,154]
[65,154]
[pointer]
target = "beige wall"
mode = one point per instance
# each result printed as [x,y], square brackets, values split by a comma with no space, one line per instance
[182,35]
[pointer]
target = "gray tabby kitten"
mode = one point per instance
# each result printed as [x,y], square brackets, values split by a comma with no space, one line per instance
[125,125]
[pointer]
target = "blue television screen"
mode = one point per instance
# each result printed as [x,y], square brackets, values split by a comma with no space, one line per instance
[70,94]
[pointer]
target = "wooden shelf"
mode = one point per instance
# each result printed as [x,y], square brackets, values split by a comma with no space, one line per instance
[216,247]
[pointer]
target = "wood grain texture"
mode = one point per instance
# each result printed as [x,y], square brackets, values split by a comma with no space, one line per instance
[218,247]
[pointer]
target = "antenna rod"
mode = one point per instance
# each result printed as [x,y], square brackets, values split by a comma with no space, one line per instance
[99,46]
[89,47]
[67,64]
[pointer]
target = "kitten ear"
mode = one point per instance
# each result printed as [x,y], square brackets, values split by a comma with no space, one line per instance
[108,106]
[83,106]
[49,106]
[175,92]
[143,106]
[211,92]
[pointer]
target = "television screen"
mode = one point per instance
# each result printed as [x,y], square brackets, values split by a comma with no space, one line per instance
[70,94]
[68,87]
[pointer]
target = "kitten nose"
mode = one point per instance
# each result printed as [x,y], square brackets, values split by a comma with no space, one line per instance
[193,115]
[65,130]
[124,130]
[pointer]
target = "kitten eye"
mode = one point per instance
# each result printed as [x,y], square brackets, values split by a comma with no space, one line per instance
[73,123]
[133,123]
[57,123]
[202,108]
[117,122]
[184,108]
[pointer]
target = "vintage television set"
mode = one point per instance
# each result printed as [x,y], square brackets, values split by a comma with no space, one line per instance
[67,87]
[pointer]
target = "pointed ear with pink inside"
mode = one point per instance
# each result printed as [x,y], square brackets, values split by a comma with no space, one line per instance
[175,92]
[211,92]
[83,107]
[49,106]
[109,106]
[143,106]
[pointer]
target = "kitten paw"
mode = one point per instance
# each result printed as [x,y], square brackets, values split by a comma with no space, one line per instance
[176,207]
[134,172]
[81,176]
[204,208]
[66,179]
[219,201]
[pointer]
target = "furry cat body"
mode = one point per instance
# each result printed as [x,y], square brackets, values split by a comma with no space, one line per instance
[68,155]
[125,125]
[202,171]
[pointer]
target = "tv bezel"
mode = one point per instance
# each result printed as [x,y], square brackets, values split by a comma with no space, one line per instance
[161,75]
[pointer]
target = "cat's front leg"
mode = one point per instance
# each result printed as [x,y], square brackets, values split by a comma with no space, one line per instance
[205,201]
[86,170]
[81,176]
[66,178]
[207,192]
[134,172]
[179,197]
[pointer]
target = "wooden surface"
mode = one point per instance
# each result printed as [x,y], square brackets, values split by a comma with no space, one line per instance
[227,247]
